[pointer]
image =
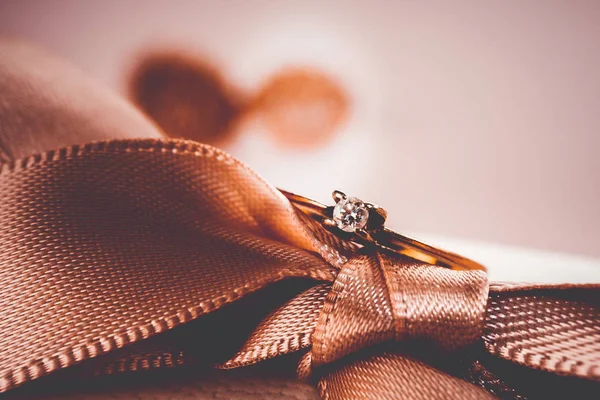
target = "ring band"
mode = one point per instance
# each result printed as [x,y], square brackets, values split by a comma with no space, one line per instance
[363,223]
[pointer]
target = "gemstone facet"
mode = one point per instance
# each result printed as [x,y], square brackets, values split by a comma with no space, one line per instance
[350,214]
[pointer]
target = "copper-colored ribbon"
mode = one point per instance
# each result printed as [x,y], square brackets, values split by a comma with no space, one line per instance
[106,245]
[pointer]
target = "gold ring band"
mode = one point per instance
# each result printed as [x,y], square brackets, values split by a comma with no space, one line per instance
[347,219]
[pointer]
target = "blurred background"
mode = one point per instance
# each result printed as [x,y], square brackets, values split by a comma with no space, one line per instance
[467,119]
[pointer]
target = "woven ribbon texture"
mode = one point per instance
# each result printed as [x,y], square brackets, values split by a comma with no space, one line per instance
[148,254]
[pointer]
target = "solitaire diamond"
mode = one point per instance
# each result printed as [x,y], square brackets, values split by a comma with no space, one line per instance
[350,214]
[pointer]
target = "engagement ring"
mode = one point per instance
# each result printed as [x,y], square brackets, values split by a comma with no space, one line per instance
[363,223]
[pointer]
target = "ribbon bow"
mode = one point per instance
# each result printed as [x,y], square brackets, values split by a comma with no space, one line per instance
[107,249]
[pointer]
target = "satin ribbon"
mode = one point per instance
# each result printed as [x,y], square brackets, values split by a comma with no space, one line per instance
[105,248]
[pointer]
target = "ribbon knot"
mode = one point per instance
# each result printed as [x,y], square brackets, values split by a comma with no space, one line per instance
[378,298]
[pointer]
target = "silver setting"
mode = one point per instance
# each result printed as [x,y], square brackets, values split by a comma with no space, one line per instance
[352,215]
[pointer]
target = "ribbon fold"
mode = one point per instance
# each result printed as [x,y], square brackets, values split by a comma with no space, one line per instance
[106,245]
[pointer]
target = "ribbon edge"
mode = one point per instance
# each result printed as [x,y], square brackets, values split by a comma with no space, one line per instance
[75,354]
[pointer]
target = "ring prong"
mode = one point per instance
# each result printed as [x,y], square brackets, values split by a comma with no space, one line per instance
[376,209]
[329,223]
[338,196]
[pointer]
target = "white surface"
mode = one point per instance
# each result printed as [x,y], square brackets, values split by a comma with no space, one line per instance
[516,264]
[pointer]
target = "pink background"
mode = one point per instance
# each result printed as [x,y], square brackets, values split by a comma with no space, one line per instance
[474,119]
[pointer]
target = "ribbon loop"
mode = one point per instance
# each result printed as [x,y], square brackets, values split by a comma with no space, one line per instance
[107,244]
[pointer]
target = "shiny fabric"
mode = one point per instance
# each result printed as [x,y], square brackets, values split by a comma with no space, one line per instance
[46,103]
[106,245]
[173,258]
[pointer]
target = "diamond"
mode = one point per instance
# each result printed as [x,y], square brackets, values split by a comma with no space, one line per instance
[350,214]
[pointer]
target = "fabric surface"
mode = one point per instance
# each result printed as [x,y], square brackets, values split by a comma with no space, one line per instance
[138,268]
[100,273]
[46,103]
[554,330]
[106,245]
